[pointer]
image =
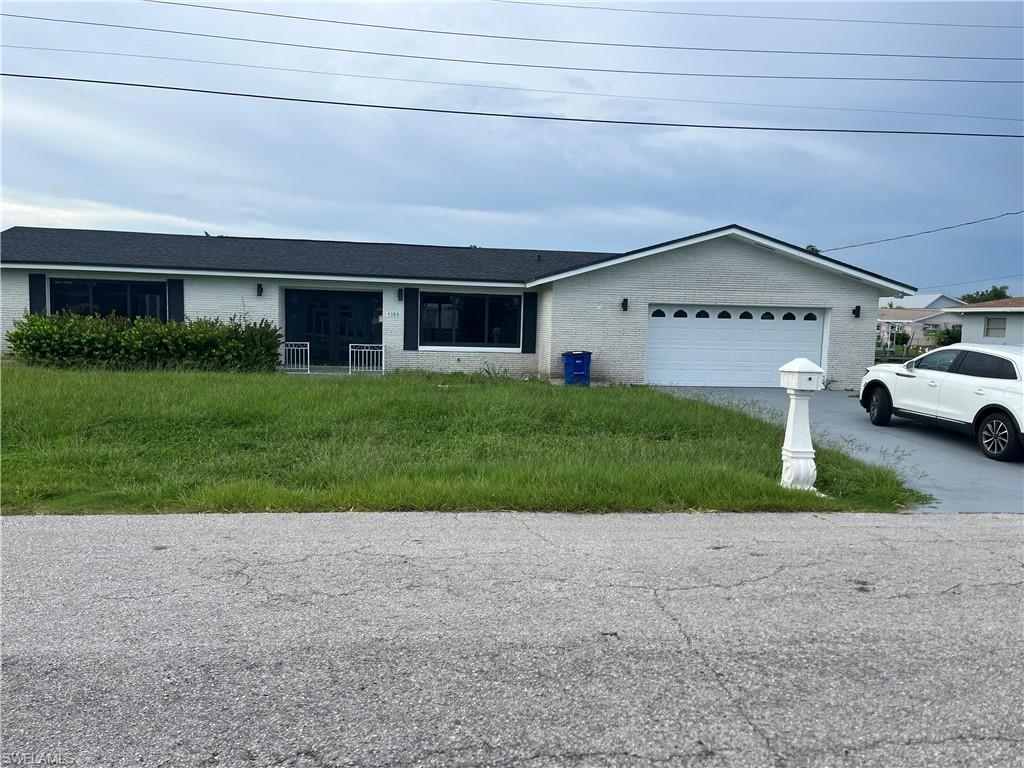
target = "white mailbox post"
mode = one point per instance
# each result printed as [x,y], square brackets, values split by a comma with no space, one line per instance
[800,377]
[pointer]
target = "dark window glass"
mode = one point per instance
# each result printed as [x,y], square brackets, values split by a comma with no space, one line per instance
[810,316]
[468,319]
[937,361]
[657,313]
[986,366]
[679,313]
[746,316]
[767,316]
[789,316]
[109,297]
[74,296]
[702,314]
[723,315]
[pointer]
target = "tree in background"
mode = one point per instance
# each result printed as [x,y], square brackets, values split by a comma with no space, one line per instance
[946,336]
[993,293]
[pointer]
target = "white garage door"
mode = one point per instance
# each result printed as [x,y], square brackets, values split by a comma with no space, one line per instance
[728,346]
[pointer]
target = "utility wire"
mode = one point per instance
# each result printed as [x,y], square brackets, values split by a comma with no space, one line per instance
[512,115]
[752,16]
[522,65]
[925,232]
[972,282]
[268,67]
[606,44]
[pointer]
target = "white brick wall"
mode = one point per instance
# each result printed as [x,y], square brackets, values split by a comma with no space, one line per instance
[544,353]
[581,312]
[226,296]
[586,311]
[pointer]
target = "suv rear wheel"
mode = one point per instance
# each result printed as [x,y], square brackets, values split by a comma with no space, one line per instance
[880,407]
[998,438]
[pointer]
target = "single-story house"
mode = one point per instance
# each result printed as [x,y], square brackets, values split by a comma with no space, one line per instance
[994,322]
[921,301]
[920,325]
[722,307]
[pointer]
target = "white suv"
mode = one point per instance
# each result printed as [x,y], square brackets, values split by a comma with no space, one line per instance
[973,388]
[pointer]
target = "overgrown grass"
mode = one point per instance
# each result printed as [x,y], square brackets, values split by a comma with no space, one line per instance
[100,441]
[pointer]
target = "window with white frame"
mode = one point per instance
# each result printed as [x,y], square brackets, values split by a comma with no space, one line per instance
[995,327]
[470,320]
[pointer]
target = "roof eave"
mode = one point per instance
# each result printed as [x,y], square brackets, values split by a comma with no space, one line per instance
[265,275]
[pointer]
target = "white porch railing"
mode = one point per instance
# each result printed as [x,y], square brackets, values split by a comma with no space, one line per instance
[295,356]
[366,358]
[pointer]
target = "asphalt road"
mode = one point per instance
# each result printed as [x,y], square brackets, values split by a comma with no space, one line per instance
[946,465]
[504,639]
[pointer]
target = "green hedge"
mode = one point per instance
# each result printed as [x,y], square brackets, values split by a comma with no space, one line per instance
[67,340]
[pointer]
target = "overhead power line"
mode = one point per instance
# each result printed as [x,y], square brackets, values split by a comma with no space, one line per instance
[510,115]
[753,16]
[593,94]
[972,282]
[925,232]
[601,43]
[522,65]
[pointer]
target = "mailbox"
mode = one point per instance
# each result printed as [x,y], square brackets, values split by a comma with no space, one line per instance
[801,374]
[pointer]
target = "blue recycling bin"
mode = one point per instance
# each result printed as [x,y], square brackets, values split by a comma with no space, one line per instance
[576,368]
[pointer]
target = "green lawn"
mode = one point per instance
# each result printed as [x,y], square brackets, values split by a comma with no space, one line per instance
[95,441]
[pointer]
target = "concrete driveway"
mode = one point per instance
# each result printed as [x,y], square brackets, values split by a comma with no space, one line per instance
[505,639]
[944,464]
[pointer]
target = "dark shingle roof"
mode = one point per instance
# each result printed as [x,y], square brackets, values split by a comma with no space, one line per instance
[38,245]
[398,261]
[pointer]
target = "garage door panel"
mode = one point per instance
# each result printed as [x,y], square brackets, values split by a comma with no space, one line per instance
[713,351]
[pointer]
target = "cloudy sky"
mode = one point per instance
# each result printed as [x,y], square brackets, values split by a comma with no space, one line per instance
[104,157]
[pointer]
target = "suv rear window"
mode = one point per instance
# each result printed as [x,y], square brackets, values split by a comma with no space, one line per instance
[986,366]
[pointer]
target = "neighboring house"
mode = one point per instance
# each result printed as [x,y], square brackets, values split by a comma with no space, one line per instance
[922,301]
[920,325]
[722,307]
[994,322]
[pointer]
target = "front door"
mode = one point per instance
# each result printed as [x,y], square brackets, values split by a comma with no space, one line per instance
[917,388]
[331,320]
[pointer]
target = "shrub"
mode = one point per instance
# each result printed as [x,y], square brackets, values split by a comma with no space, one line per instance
[67,341]
[946,336]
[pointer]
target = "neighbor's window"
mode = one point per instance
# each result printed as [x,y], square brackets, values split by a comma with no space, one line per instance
[469,320]
[995,327]
[106,297]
